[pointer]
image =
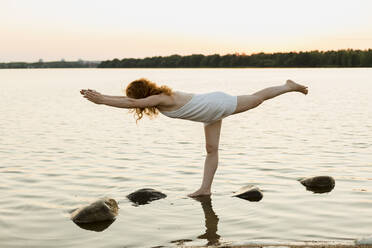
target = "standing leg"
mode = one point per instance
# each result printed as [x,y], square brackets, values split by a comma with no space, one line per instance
[212,140]
[246,102]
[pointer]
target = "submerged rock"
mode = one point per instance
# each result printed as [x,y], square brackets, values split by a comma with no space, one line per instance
[320,184]
[105,209]
[249,193]
[144,196]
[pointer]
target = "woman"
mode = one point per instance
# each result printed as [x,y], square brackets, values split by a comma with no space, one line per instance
[145,97]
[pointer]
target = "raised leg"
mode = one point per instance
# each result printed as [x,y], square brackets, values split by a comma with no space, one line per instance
[212,140]
[246,102]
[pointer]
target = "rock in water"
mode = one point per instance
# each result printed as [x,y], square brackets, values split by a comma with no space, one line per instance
[105,209]
[320,184]
[249,193]
[144,196]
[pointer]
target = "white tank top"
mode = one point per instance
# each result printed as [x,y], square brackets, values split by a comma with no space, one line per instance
[206,108]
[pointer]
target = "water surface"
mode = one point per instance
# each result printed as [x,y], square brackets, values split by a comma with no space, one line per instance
[59,151]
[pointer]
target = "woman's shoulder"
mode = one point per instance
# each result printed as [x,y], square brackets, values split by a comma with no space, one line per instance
[174,101]
[166,99]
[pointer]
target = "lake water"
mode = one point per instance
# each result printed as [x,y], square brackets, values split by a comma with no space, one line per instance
[59,151]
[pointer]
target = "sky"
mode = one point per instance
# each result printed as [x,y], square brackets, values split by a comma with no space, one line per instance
[100,30]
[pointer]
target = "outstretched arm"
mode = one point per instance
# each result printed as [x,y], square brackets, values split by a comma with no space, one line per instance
[113,97]
[121,101]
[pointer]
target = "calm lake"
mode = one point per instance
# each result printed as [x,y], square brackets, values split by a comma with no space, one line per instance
[59,152]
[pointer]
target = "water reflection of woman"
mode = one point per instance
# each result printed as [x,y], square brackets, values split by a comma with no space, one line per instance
[211,221]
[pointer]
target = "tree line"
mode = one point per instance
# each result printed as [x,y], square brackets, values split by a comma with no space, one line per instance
[340,58]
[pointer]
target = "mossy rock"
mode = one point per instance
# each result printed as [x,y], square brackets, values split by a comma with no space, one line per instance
[104,209]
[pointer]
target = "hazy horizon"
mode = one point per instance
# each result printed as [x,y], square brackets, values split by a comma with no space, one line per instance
[98,61]
[96,31]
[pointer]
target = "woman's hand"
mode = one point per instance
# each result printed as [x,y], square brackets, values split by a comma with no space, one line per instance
[92,95]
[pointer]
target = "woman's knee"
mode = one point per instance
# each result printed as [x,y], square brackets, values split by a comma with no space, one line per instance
[257,100]
[211,148]
[247,102]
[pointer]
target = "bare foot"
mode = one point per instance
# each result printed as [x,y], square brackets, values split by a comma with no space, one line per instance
[297,87]
[200,192]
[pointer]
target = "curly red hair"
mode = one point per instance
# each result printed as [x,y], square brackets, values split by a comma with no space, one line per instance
[142,88]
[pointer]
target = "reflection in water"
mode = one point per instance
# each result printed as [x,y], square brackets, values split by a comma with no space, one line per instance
[181,242]
[96,226]
[211,221]
[319,191]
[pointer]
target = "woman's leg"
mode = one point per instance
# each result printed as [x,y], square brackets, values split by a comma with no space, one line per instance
[246,102]
[212,140]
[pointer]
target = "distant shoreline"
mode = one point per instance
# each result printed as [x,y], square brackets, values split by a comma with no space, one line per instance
[49,65]
[313,59]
